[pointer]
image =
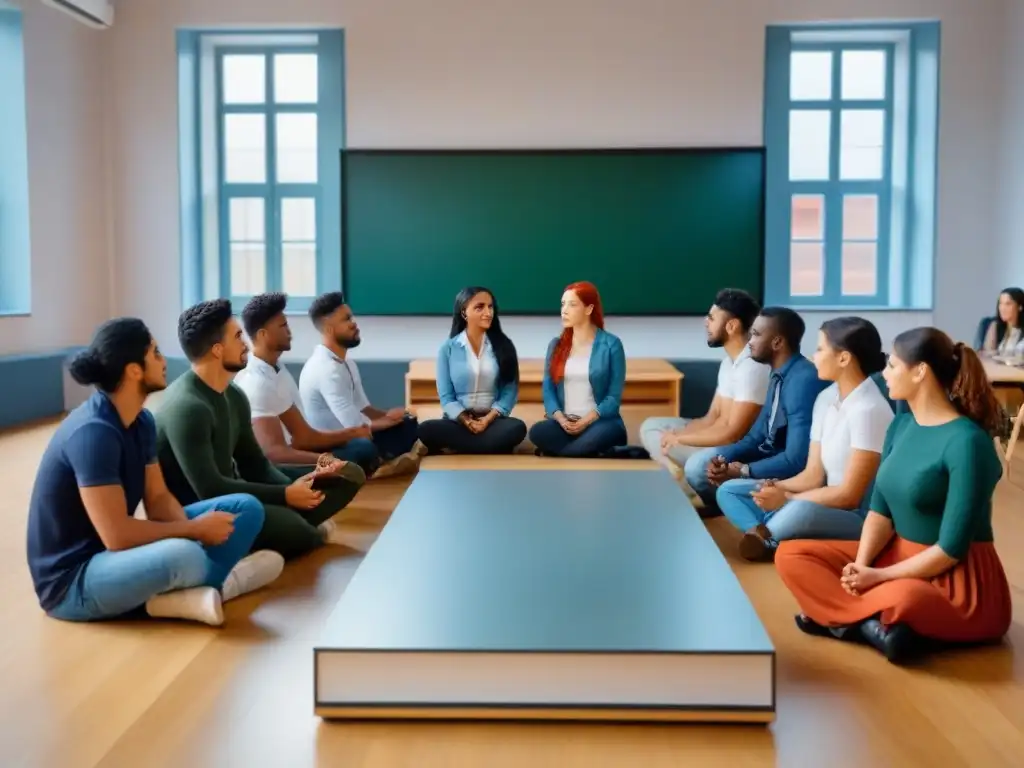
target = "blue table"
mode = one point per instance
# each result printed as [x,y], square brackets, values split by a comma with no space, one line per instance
[545,594]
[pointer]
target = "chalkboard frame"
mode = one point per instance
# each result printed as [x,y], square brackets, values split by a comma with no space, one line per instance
[759,150]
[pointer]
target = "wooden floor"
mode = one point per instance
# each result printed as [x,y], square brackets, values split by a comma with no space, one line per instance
[167,694]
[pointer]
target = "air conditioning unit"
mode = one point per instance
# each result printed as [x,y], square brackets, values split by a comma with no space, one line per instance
[98,14]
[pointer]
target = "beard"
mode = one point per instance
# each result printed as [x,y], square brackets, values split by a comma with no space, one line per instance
[348,343]
[233,367]
[714,342]
[149,387]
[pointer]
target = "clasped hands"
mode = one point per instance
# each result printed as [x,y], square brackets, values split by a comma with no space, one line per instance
[576,426]
[477,424]
[301,494]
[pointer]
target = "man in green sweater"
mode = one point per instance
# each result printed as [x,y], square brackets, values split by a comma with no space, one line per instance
[206,446]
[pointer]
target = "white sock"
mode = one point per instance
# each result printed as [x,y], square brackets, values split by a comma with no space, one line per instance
[252,573]
[331,532]
[202,604]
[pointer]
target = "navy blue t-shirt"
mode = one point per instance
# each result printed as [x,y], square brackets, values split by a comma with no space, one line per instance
[90,448]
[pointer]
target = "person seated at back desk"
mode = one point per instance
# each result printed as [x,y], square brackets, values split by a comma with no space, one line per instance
[477,382]
[332,391]
[739,396]
[584,375]
[207,448]
[277,421]
[777,446]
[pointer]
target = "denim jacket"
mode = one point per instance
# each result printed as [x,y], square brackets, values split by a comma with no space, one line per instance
[607,376]
[455,379]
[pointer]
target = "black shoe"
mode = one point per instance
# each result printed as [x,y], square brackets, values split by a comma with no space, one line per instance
[896,642]
[810,626]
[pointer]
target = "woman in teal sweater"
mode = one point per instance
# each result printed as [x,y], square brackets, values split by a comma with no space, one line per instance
[926,565]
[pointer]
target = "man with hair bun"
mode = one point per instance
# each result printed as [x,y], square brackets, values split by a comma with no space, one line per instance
[89,557]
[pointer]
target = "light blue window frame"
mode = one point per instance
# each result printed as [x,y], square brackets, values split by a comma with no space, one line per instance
[206,195]
[15,241]
[906,191]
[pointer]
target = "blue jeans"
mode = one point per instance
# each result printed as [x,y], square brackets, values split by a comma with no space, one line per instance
[695,470]
[361,451]
[116,583]
[600,437]
[394,441]
[794,520]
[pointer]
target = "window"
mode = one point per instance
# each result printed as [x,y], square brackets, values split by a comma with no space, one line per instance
[850,134]
[15,252]
[262,125]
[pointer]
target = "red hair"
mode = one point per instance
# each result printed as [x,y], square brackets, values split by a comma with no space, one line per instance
[587,293]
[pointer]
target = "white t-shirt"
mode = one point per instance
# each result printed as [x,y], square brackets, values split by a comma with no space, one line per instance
[332,392]
[742,379]
[579,395]
[858,423]
[271,391]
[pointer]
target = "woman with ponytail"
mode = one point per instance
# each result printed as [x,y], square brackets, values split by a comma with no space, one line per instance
[584,373]
[925,567]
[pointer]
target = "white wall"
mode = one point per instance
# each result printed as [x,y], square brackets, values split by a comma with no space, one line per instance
[68,183]
[1010,249]
[461,73]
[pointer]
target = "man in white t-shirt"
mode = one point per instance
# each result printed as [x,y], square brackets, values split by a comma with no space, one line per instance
[332,391]
[739,396]
[277,419]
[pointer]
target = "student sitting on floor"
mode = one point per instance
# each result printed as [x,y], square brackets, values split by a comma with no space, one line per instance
[207,447]
[828,499]
[332,391]
[477,382]
[926,565]
[584,374]
[89,556]
[277,420]
[776,447]
[742,388]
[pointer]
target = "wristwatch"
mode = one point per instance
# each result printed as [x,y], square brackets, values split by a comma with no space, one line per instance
[745,471]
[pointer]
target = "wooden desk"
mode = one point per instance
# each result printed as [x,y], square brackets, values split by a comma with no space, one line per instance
[653,388]
[1002,374]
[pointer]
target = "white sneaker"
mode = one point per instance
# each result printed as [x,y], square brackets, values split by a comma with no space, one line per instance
[202,604]
[352,539]
[252,573]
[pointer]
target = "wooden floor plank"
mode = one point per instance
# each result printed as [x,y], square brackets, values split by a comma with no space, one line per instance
[174,694]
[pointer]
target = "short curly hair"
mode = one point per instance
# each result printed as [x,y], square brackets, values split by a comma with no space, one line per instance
[260,309]
[325,305]
[201,326]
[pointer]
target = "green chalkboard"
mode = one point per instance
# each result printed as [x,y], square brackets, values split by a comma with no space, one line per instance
[658,231]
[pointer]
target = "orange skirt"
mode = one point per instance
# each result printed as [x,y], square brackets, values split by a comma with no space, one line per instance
[968,603]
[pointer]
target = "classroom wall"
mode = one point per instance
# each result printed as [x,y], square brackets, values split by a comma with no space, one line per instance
[65,76]
[459,73]
[1010,249]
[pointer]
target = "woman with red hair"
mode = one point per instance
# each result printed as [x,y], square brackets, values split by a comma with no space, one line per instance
[584,372]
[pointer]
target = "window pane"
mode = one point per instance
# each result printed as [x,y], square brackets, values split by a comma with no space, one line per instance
[810,75]
[296,148]
[860,269]
[806,269]
[244,79]
[248,269]
[245,217]
[295,78]
[808,217]
[245,147]
[298,269]
[298,219]
[862,134]
[809,145]
[860,217]
[863,75]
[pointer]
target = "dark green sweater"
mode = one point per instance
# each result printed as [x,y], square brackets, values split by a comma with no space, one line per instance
[207,448]
[936,483]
